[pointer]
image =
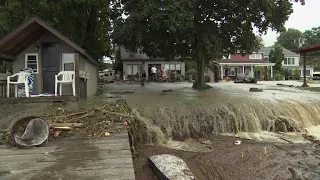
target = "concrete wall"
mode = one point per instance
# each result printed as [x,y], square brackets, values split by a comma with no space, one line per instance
[151,62]
[92,82]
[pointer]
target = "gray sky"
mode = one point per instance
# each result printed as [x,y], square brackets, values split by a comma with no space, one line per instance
[303,18]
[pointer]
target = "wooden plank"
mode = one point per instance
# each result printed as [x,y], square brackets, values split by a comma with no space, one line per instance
[103,154]
[85,164]
[105,158]
[124,174]
[100,147]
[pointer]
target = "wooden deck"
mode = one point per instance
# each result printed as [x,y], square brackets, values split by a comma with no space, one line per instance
[58,99]
[106,158]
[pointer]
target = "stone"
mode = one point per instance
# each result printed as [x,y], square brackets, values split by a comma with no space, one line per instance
[169,167]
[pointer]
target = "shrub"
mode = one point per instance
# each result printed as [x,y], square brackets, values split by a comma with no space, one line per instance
[296,75]
[277,76]
[192,72]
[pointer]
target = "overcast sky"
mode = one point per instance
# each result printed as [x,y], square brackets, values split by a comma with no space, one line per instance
[303,18]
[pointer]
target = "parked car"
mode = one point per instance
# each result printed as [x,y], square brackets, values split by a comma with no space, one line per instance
[316,76]
[243,78]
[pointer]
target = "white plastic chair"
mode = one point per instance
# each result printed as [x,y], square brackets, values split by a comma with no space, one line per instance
[67,77]
[22,79]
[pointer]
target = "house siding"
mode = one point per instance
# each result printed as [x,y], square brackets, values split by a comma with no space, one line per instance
[48,37]
[151,62]
[92,85]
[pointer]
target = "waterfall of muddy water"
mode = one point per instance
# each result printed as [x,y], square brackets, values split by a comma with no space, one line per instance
[180,116]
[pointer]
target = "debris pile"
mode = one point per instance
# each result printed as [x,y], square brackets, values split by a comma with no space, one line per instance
[90,122]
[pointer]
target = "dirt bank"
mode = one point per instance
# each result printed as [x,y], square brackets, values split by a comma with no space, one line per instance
[250,160]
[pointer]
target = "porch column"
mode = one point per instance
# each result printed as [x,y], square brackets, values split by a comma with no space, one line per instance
[271,71]
[243,69]
[304,71]
[252,71]
[221,72]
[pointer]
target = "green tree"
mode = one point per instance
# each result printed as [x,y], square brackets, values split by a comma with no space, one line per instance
[276,56]
[289,38]
[201,29]
[313,37]
[259,42]
[86,22]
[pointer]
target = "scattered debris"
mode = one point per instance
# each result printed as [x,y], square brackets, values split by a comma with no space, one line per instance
[56,134]
[168,166]
[255,90]
[63,128]
[237,142]
[279,84]
[72,125]
[167,90]
[121,92]
[107,134]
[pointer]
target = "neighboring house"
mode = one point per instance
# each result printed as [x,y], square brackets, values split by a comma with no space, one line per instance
[291,60]
[238,63]
[129,63]
[38,46]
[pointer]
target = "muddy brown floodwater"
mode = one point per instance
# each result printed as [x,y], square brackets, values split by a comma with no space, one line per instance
[229,109]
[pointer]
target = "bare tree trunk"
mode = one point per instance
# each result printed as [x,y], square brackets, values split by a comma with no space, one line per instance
[200,82]
[91,26]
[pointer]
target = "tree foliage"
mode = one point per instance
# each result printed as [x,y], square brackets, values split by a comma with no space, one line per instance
[289,39]
[86,22]
[276,56]
[201,29]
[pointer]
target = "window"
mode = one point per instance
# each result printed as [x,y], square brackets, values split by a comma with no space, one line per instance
[167,66]
[132,69]
[172,67]
[68,61]
[307,71]
[226,57]
[289,61]
[31,61]
[232,72]
[255,56]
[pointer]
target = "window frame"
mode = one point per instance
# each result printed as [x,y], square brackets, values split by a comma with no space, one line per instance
[255,56]
[63,61]
[26,61]
[131,67]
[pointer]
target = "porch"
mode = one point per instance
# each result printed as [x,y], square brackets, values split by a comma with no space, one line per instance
[33,98]
[236,68]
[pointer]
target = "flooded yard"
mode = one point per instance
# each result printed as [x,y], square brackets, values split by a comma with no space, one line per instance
[202,126]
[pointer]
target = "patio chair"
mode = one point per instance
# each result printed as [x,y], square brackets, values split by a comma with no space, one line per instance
[22,79]
[67,77]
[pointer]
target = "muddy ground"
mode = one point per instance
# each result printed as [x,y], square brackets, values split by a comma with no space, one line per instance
[249,161]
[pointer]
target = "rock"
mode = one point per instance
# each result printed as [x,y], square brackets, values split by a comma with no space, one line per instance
[169,167]
[277,178]
[255,90]
[295,175]
[206,142]
[167,90]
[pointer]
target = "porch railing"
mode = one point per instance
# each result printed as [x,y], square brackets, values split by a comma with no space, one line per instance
[3,89]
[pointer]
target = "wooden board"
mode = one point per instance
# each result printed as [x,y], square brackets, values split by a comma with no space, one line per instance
[105,158]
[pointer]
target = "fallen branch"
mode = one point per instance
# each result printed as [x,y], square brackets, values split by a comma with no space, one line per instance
[118,114]
[78,113]
[286,140]
[74,125]
[284,149]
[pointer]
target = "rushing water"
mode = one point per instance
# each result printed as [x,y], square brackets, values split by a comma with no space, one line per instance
[185,113]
